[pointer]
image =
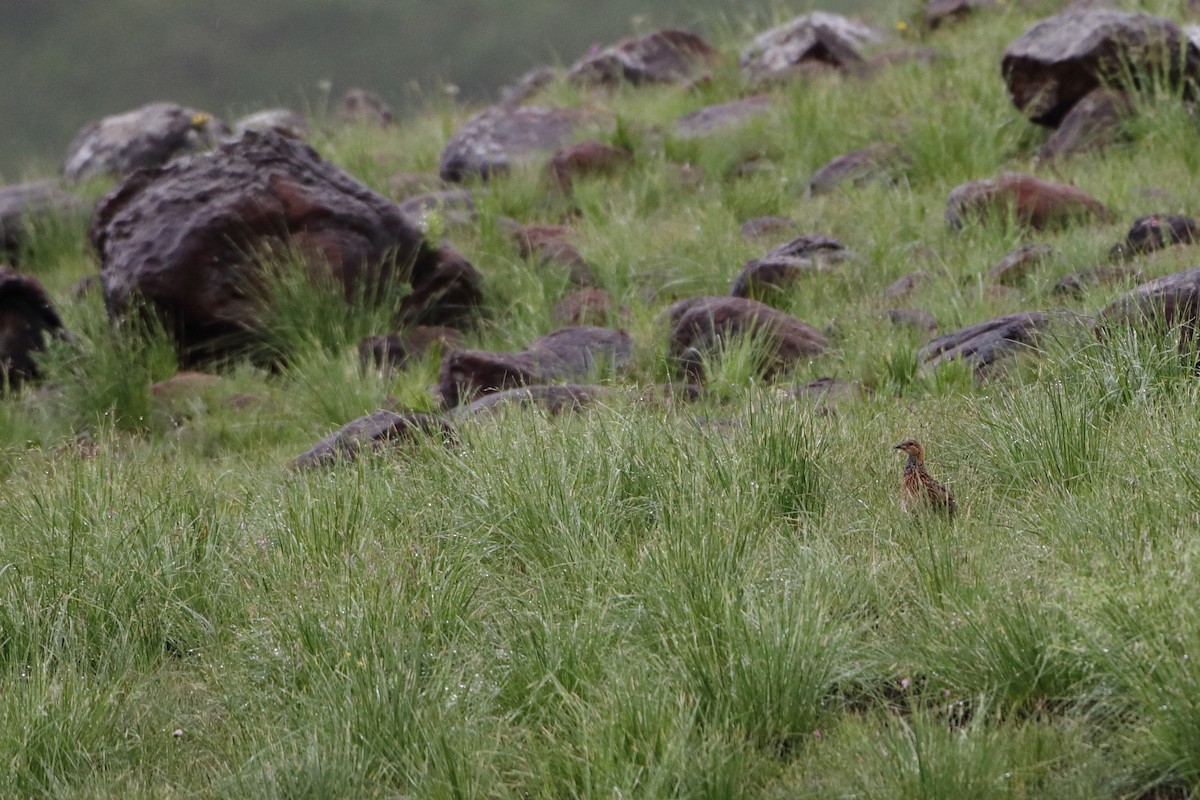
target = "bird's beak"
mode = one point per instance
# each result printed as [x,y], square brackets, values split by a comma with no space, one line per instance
[897,447]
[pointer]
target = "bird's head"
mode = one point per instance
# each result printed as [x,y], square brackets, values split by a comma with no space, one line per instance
[913,448]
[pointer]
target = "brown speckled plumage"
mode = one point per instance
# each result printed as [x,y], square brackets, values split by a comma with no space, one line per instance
[921,491]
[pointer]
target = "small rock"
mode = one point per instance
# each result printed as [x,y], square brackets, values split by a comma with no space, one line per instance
[724,116]
[549,245]
[757,227]
[1073,285]
[455,206]
[1013,267]
[404,185]
[913,318]
[585,159]
[986,343]
[387,352]
[858,167]
[1094,122]
[283,121]
[940,11]
[666,56]
[373,432]
[1154,232]
[825,393]
[25,205]
[1035,203]
[553,399]
[585,307]
[149,136]
[492,142]
[819,37]
[360,107]
[27,319]
[784,265]
[906,285]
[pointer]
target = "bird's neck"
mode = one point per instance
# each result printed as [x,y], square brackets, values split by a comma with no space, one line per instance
[914,462]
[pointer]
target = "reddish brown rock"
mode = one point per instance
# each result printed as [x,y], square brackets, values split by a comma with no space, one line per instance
[700,324]
[762,278]
[585,159]
[1033,202]
[820,37]
[146,137]
[724,116]
[1013,268]
[373,433]
[1094,122]
[985,344]
[585,307]
[666,56]
[187,239]
[1058,61]
[1154,232]
[494,141]
[360,107]
[873,162]
[564,354]
[27,321]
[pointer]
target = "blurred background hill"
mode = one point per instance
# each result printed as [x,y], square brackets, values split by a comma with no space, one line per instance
[68,63]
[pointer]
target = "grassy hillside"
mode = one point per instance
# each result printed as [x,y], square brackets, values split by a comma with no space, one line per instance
[652,598]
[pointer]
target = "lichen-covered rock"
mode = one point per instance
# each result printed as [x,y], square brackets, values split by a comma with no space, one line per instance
[1154,232]
[666,56]
[872,162]
[1033,202]
[495,140]
[373,432]
[701,324]
[1060,60]
[565,354]
[986,343]
[189,240]
[1013,267]
[721,117]
[149,136]
[24,205]
[27,320]
[761,278]
[820,37]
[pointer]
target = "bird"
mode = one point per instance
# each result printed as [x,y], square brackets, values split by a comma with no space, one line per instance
[921,491]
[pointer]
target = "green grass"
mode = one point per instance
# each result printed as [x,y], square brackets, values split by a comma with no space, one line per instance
[650,599]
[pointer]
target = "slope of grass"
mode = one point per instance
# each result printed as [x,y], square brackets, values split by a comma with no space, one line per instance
[651,598]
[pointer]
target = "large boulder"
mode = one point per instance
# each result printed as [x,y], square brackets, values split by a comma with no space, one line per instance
[27,318]
[700,325]
[1057,62]
[189,240]
[565,354]
[775,272]
[1034,203]
[986,343]
[373,432]
[712,119]
[24,205]
[149,136]
[1172,300]
[820,37]
[492,142]
[666,56]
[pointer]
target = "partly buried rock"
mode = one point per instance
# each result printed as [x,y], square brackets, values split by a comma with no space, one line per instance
[395,350]
[585,307]
[819,37]
[373,432]
[564,354]
[358,106]
[1058,61]
[283,121]
[585,159]
[985,344]
[1170,301]
[27,318]
[25,205]
[873,162]
[1094,122]
[780,268]
[666,56]
[1154,232]
[1013,267]
[149,136]
[188,239]
[492,142]
[1032,201]
[702,324]
[551,398]
[1073,285]
[711,119]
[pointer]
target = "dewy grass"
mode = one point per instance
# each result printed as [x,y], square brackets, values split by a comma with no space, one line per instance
[652,597]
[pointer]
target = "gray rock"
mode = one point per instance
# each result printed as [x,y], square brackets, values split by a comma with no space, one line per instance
[25,205]
[283,121]
[985,344]
[360,107]
[456,206]
[1060,60]
[906,285]
[913,318]
[553,399]
[666,56]
[817,37]
[1093,123]
[373,432]
[858,167]
[1074,285]
[1013,267]
[527,86]
[761,278]
[149,136]
[494,141]
[711,119]
[1163,303]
